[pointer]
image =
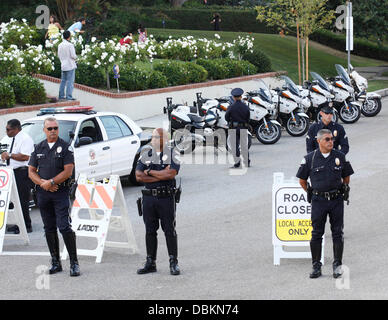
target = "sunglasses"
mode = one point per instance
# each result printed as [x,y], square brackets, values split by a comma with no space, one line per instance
[327,139]
[52,128]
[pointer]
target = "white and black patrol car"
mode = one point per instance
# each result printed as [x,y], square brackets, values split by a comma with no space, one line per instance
[104,143]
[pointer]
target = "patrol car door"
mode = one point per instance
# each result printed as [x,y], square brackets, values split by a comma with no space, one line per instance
[92,159]
[123,143]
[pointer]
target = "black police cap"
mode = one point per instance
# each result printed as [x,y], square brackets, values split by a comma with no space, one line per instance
[236,92]
[327,109]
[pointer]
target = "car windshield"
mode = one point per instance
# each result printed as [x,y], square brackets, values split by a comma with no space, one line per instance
[343,74]
[322,83]
[35,129]
[264,91]
[291,85]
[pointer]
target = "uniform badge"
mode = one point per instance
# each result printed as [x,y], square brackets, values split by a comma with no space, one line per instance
[335,133]
[303,161]
[337,161]
[59,149]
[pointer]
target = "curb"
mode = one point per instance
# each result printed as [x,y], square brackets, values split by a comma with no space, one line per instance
[163,90]
[37,107]
[382,92]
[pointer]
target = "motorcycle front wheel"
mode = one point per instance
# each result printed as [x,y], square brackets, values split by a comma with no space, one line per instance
[183,141]
[268,135]
[298,127]
[350,114]
[371,107]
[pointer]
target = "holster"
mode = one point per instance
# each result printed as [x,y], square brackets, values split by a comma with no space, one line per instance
[309,193]
[139,203]
[345,189]
[178,192]
[73,189]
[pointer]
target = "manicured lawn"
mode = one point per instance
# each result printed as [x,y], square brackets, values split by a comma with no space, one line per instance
[282,51]
[374,85]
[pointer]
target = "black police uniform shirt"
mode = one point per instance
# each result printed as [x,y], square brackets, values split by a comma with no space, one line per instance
[340,139]
[237,112]
[325,174]
[51,162]
[159,161]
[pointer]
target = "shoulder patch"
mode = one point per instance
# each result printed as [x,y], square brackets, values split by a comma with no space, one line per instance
[70,148]
[303,161]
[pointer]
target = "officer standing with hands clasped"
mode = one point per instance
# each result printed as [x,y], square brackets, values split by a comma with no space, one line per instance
[157,170]
[17,158]
[329,174]
[51,168]
[340,139]
[238,116]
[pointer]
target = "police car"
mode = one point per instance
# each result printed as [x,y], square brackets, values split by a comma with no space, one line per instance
[104,143]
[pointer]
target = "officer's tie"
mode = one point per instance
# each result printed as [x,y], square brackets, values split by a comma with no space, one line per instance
[10,150]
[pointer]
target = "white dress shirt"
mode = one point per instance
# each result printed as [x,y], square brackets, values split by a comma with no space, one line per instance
[67,55]
[23,144]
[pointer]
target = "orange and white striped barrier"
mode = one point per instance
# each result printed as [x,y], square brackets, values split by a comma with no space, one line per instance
[95,198]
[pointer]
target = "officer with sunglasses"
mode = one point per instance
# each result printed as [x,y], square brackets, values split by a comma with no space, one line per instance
[157,169]
[329,174]
[341,142]
[51,167]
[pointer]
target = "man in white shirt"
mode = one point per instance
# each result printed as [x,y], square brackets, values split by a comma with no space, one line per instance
[17,157]
[67,56]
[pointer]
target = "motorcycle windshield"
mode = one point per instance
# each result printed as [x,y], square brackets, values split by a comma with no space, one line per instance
[291,86]
[321,82]
[343,74]
[263,91]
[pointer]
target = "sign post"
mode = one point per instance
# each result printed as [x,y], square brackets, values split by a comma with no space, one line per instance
[349,31]
[291,219]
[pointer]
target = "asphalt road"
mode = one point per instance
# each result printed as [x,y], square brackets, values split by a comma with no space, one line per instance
[225,236]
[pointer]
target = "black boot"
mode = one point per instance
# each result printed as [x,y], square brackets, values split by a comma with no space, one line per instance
[316,249]
[149,266]
[338,249]
[69,239]
[174,268]
[53,245]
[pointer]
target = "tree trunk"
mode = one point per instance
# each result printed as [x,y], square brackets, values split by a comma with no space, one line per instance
[107,80]
[302,41]
[298,43]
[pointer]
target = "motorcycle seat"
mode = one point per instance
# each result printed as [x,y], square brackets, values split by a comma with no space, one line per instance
[195,118]
[193,109]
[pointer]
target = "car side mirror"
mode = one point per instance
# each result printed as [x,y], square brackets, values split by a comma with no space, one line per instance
[83,141]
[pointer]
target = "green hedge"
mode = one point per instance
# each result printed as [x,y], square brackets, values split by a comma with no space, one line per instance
[227,68]
[361,47]
[7,95]
[27,90]
[258,59]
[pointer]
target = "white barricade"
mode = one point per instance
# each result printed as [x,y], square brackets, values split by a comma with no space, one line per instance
[291,219]
[9,193]
[100,197]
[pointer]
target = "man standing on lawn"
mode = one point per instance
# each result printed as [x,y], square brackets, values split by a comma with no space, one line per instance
[67,56]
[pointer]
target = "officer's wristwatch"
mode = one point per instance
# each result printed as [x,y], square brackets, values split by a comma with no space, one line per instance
[52,182]
[148,171]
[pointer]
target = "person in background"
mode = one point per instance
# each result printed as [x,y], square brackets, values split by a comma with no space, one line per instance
[67,56]
[126,39]
[216,20]
[53,28]
[142,34]
[77,26]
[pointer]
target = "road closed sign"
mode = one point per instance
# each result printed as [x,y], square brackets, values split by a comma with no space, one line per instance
[292,214]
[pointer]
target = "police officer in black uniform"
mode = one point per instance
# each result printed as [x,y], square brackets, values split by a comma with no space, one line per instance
[157,170]
[50,168]
[238,116]
[340,139]
[329,174]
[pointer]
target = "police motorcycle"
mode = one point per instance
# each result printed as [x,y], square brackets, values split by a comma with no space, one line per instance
[370,101]
[266,130]
[218,106]
[318,93]
[349,110]
[184,121]
[285,105]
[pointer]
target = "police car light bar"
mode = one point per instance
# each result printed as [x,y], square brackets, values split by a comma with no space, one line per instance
[44,111]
